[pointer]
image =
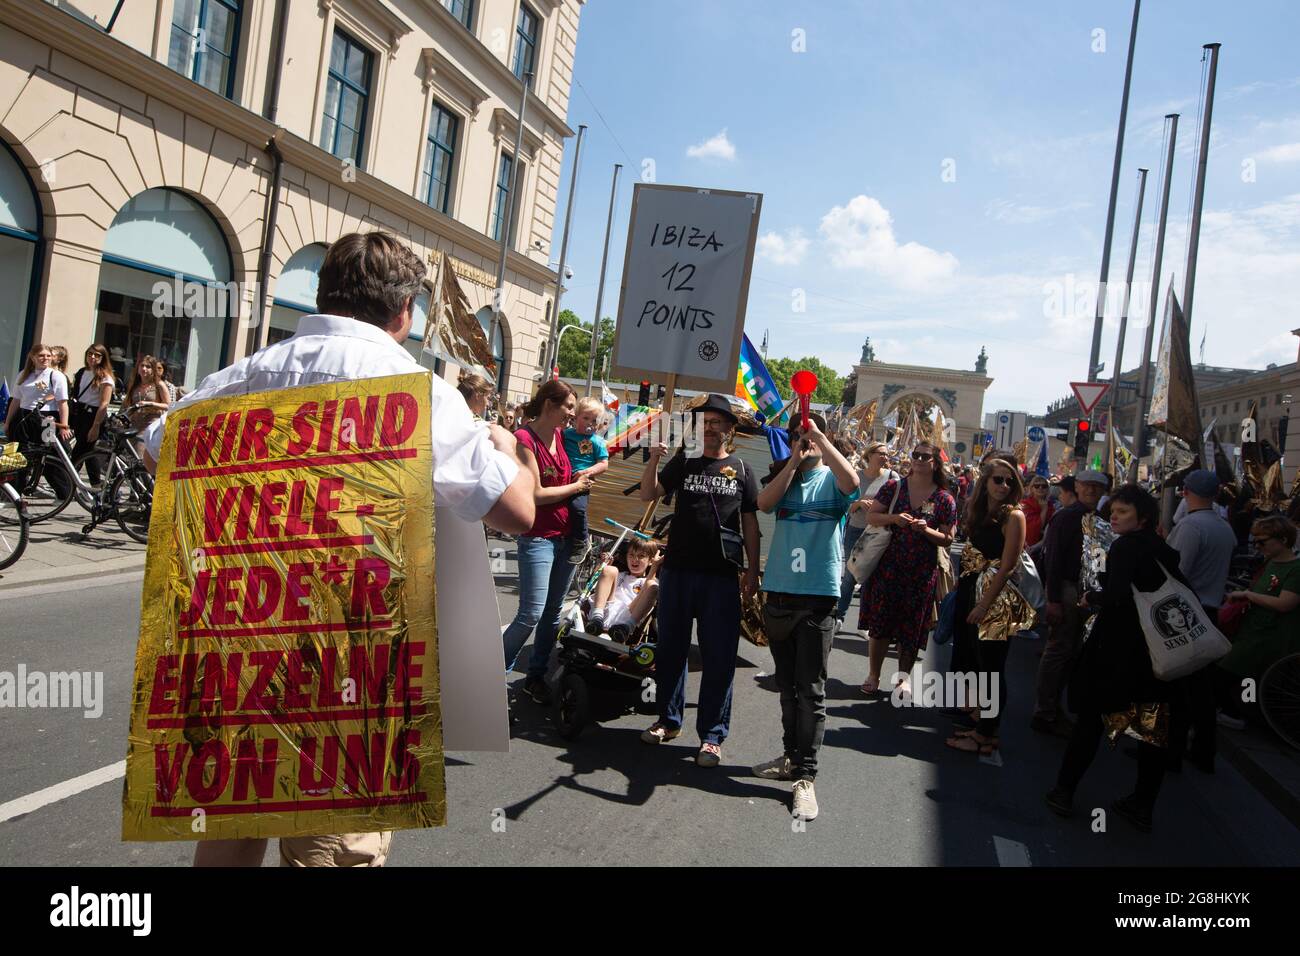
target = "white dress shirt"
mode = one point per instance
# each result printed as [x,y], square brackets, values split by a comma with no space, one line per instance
[469,473]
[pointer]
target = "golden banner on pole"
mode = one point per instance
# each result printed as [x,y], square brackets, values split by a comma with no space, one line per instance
[286,678]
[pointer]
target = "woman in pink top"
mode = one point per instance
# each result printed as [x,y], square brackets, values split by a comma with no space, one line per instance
[544,569]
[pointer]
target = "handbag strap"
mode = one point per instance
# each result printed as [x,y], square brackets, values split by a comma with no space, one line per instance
[717,517]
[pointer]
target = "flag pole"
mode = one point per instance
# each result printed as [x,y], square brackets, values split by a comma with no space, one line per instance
[1095,355]
[1144,389]
[1194,236]
[600,289]
[1128,290]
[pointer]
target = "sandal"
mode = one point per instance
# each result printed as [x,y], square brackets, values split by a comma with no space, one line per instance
[973,744]
[995,740]
[871,686]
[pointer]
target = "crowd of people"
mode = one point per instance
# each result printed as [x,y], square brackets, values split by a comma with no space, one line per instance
[531,480]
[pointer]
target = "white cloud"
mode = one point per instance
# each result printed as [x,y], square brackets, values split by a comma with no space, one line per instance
[716,147]
[1009,211]
[1284,153]
[860,235]
[783,250]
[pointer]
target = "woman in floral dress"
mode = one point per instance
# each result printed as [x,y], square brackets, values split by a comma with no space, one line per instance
[898,598]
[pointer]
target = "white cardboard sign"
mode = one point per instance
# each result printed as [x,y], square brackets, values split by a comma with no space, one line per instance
[685,285]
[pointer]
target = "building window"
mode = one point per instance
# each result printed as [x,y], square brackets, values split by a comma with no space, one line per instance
[1236,407]
[204,38]
[525,42]
[439,158]
[462,10]
[347,95]
[20,258]
[501,201]
[484,316]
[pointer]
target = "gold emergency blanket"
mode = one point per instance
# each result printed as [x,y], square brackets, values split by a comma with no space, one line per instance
[1010,613]
[1147,722]
[286,679]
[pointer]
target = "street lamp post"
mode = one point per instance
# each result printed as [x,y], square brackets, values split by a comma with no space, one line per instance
[559,338]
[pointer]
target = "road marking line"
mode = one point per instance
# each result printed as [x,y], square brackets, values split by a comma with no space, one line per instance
[64,585]
[1011,853]
[61,791]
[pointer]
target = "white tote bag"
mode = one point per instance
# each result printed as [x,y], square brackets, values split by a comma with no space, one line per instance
[1180,636]
[871,544]
[1028,583]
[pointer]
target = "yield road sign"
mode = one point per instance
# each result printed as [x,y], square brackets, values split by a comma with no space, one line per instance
[1089,394]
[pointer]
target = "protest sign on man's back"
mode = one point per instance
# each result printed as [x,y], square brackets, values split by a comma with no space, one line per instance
[287,676]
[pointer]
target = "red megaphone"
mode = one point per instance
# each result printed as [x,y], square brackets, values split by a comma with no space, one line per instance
[804,383]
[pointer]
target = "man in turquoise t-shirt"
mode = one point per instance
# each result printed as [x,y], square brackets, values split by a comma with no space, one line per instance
[811,496]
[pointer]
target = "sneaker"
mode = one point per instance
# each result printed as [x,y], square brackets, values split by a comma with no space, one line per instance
[580,550]
[535,687]
[1061,801]
[620,634]
[1232,723]
[779,769]
[659,733]
[710,755]
[596,624]
[805,800]
[1129,809]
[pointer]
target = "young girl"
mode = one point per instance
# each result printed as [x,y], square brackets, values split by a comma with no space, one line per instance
[144,391]
[92,392]
[623,599]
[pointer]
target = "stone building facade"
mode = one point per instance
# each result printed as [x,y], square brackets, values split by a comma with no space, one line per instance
[145,155]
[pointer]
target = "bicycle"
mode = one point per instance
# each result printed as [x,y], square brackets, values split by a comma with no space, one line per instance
[13,524]
[51,480]
[126,487]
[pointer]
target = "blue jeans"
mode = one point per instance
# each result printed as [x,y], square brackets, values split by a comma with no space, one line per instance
[847,583]
[544,577]
[711,601]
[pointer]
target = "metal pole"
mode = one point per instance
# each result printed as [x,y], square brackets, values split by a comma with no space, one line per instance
[499,295]
[1095,356]
[600,289]
[1128,291]
[1194,237]
[1144,389]
[558,338]
[552,343]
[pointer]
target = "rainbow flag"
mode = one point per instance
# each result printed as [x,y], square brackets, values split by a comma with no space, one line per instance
[630,422]
[754,383]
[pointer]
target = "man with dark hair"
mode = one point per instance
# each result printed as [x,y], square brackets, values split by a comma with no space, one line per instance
[368,285]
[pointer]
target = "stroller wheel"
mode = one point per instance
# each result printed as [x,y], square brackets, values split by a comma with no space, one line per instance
[572,705]
[644,654]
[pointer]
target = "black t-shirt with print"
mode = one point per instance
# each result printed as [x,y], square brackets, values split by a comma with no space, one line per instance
[693,535]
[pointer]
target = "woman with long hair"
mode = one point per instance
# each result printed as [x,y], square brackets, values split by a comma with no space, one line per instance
[41,391]
[145,393]
[92,393]
[1114,686]
[544,569]
[873,472]
[989,609]
[899,596]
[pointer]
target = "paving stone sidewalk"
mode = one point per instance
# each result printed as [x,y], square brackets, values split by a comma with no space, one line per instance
[57,551]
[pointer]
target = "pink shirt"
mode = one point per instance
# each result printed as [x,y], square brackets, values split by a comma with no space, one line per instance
[552,521]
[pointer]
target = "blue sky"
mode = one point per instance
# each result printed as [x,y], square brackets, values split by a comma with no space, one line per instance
[849,141]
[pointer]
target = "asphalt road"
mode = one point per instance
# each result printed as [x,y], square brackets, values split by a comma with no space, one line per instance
[890,792]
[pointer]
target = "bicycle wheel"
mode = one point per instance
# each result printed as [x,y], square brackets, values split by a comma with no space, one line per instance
[132,496]
[13,526]
[104,459]
[1279,698]
[45,487]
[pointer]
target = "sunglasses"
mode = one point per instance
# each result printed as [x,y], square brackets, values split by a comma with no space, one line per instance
[922,456]
[1001,481]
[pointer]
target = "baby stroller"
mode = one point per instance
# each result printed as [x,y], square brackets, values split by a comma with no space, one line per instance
[582,655]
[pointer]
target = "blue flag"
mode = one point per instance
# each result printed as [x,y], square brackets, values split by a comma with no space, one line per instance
[1041,468]
[777,442]
[4,397]
[754,383]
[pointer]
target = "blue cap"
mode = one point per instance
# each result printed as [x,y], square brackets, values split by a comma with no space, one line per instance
[1203,483]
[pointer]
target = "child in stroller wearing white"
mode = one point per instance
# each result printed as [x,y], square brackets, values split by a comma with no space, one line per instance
[623,599]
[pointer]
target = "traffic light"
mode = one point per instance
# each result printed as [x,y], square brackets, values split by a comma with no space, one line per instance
[1082,437]
[643,396]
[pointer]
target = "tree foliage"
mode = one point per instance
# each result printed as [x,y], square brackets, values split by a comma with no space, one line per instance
[830,384]
[575,347]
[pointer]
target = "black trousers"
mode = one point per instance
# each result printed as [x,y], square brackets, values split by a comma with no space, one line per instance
[1198,713]
[1083,747]
[28,428]
[81,418]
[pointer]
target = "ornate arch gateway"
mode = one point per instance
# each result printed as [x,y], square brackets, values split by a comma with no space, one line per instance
[957,392]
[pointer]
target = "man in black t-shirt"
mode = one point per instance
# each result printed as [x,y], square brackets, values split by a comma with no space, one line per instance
[717,501]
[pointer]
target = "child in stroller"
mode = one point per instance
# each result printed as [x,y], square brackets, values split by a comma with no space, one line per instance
[623,599]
